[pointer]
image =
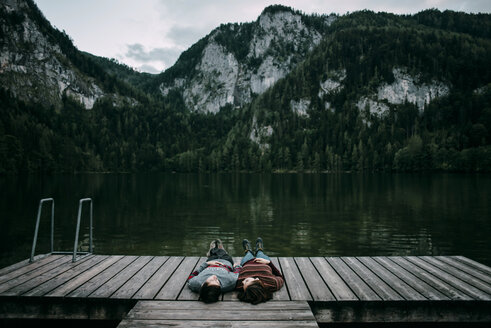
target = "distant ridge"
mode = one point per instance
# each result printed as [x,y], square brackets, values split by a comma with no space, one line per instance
[288,92]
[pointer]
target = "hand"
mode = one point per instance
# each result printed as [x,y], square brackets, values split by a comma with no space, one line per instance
[260,260]
[213,263]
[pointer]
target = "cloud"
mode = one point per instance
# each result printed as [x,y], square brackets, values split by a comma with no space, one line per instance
[184,36]
[147,60]
[148,68]
[152,33]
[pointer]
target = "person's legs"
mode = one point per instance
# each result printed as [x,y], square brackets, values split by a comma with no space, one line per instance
[213,245]
[247,257]
[220,253]
[220,244]
[261,255]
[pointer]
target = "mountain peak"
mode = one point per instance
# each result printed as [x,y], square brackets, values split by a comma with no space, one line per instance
[273,9]
[237,62]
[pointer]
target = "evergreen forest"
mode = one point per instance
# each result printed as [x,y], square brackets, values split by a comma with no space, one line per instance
[452,133]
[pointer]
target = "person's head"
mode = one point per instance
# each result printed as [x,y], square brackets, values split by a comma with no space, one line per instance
[253,291]
[210,290]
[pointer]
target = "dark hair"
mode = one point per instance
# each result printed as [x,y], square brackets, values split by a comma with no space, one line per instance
[209,294]
[255,293]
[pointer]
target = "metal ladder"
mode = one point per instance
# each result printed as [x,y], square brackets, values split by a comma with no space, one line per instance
[76,255]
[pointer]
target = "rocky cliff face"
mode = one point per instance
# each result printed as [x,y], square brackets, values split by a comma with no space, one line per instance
[279,40]
[32,66]
[405,88]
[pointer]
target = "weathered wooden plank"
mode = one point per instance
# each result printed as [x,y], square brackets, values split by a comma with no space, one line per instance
[316,285]
[338,287]
[178,279]
[20,268]
[457,283]
[412,280]
[478,266]
[282,294]
[39,279]
[438,284]
[139,279]
[235,315]
[406,291]
[211,323]
[378,285]
[470,279]
[79,280]
[51,284]
[94,283]
[113,284]
[20,264]
[22,278]
[355,283]
[296,286]
[187,294]
[465,268]
[150,289]
[196,305]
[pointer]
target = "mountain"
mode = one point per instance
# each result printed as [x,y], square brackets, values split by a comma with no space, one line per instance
[236,62]
[383,92]
[363,91]
[40,64]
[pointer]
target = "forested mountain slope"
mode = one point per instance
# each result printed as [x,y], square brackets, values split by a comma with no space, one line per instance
[364,91]
[381,93]
[236,62]
[41,65]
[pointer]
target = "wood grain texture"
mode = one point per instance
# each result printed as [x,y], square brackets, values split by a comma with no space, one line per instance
[417,284]
[336,284]
[220,314]
[42,278]
[296,285]
[79,280]
[26,275]
[397,284]
[440,285]
[354,282]
[450,279]
[316,285]
[177,280]
[94,283]
[113,284]
[159,279]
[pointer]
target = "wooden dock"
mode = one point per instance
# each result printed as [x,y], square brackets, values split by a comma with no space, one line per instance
[152,290]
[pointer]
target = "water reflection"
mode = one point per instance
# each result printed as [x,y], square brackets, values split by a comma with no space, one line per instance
[297,215]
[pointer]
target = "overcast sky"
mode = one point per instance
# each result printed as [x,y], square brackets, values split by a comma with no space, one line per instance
[149,35]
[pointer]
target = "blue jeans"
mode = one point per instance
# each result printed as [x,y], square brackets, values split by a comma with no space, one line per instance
[249,256]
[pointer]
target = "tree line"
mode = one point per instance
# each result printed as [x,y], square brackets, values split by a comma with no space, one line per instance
[451,133]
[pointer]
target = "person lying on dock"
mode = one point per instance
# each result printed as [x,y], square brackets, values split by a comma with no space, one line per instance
[258,277]
[215,276]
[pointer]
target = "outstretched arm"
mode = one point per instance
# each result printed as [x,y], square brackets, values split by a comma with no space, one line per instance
[261,260]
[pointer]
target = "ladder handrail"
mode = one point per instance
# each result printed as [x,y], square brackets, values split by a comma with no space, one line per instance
[40,208]
[75,246]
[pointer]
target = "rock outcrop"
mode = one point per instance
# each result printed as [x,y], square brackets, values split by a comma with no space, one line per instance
[279,40]
[33,66]
[405,88]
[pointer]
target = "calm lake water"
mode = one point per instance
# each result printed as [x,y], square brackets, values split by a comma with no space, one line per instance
[296,214]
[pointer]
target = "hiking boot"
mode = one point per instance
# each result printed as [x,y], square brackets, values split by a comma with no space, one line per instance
[213,245]
[259,244]
[219,244]
[247,246]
